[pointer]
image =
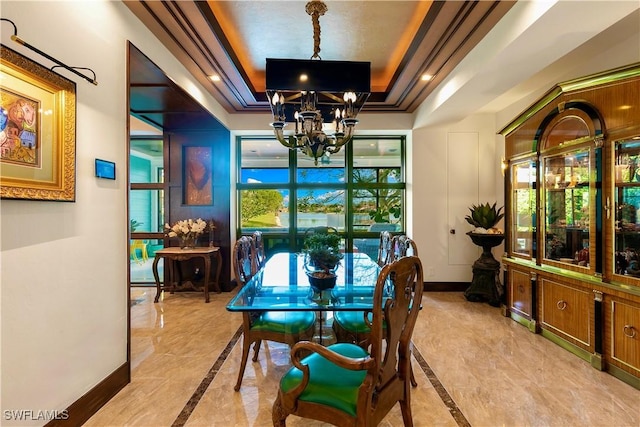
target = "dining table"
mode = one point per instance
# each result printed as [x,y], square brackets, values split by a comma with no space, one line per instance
[282,285]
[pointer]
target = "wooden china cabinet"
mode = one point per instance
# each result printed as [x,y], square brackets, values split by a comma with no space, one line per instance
[572,252]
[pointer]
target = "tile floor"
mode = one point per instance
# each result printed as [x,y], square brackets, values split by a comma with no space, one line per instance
[474,368]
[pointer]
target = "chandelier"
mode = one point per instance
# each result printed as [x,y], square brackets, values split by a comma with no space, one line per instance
[316,96]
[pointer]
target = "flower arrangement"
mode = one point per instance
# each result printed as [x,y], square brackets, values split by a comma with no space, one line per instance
[187,230]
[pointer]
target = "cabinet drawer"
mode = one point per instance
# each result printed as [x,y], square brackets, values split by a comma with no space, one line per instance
[625,334]
[565,311]
[520,292]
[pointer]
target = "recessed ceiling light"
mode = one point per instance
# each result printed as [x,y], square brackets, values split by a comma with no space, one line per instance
[214,77]
[304,77]
[426,77]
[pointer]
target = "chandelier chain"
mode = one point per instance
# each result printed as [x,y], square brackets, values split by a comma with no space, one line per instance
[319,99]
[316,9]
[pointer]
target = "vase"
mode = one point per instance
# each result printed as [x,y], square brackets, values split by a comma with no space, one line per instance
[485,285]
[320,281]
[188,242]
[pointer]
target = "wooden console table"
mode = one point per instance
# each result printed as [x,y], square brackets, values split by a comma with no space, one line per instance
[175,254]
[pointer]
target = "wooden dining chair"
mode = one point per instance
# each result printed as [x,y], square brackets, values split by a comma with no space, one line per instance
[258,242]
[279,326]
[355,326]
[346,385]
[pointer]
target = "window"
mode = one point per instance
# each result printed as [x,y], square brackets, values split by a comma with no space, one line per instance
[359,191]
[146,207]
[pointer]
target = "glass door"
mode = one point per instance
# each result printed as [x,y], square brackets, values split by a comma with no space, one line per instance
[627,203]
[523,205]
[567,203]
[146,208]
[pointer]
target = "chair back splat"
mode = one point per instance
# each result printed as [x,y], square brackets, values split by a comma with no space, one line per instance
[258,243]
[404,246]
[345,385]
[244,262]
[385,249]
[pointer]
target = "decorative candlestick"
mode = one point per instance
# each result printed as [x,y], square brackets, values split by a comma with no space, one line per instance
[212,227]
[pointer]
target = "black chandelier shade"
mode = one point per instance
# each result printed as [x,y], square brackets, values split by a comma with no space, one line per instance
[323,75]
[329,80]
[315,95]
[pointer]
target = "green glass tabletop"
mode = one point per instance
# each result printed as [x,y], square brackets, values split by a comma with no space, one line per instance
[282,285]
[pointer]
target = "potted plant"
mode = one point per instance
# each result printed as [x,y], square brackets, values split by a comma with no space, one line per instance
[485,217]
[485,285]
[322,255]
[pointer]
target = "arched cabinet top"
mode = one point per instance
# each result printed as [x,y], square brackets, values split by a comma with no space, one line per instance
[572,121]
[579,109]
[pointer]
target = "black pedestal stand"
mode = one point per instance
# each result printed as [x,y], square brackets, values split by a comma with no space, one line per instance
[485,285]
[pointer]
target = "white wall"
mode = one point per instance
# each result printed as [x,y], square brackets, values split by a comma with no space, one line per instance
[63,272]
[431,223]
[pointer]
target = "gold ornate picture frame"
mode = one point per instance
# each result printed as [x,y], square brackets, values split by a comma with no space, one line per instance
[37,131]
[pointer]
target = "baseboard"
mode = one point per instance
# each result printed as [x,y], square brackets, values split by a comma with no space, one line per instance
[82,409]
[445,286]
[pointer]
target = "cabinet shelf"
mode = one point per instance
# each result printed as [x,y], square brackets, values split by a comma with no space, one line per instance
[570,187]
[628,232]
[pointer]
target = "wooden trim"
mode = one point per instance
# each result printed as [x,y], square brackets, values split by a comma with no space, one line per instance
[599,79]
[85,407]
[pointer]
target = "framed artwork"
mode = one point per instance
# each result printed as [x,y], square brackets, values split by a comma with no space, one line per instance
[198,187]
[37,131]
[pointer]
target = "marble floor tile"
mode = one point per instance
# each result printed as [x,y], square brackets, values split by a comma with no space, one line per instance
[474,368]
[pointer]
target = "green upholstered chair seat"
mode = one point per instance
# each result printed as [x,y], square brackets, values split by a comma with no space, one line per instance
[329,384]
[353,321]
[286,322]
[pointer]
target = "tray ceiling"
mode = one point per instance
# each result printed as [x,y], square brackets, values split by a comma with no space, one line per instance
[403,40]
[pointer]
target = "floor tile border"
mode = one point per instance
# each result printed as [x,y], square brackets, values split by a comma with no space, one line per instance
[193,401]
[446,398]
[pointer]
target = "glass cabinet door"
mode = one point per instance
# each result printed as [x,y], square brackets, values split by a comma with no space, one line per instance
[627,202]
[523,205]
[566,204]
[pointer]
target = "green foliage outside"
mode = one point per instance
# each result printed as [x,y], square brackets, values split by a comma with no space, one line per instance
[257,203]
[259,208]
[332,202]
[388,202]
[261,221]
